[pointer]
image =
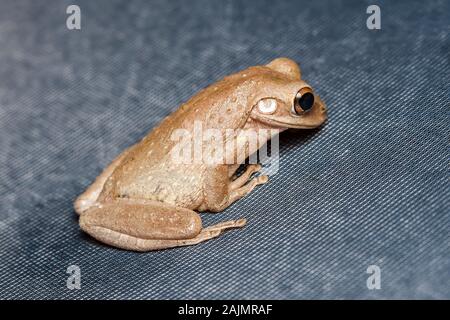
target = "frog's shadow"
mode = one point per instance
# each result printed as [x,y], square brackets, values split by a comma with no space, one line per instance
[297,137]
[292,139]
[289,139]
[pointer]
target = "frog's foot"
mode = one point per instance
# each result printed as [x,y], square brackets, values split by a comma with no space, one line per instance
[210,232]
[226,225]
[143,225]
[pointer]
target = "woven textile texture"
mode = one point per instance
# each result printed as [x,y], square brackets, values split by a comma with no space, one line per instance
[371,187]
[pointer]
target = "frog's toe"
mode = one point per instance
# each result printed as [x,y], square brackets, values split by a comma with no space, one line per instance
[262,179]
[227,225]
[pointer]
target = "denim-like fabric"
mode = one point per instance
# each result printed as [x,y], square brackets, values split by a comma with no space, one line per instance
[369,188]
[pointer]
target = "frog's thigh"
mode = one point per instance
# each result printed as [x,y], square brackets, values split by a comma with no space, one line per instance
[148,225]
[90,196]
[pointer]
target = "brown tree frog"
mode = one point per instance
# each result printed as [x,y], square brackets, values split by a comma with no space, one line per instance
[146,201]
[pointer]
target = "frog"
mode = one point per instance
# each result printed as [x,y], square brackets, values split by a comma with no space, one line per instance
[144,201]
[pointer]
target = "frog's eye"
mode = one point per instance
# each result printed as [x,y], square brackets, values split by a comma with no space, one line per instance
[267,106]
[304,100]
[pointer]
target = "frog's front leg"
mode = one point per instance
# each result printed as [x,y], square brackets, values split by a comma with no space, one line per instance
[220,195]
[243,178]
[144,225]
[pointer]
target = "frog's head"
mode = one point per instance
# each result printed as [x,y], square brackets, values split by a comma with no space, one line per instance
[284,100]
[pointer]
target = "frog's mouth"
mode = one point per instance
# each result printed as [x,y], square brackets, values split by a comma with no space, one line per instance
[288,119]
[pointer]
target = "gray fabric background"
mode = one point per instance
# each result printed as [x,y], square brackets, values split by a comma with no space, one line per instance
[370,187]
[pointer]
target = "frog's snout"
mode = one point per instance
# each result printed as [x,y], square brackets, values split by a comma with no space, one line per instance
[318,114]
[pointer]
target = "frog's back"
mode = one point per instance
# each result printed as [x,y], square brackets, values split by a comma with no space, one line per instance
[149,172]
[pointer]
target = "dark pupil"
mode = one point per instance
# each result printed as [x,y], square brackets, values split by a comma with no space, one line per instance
[306,101]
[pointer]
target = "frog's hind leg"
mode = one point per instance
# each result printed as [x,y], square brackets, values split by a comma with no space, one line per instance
[89,197]
[144,225]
